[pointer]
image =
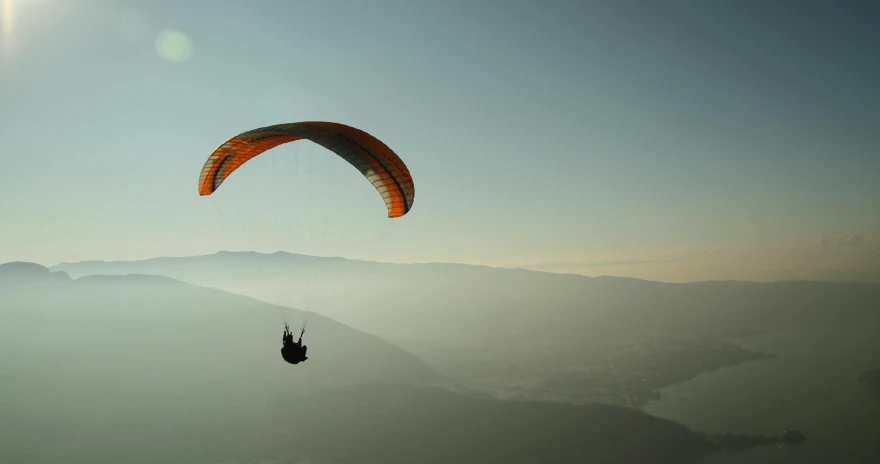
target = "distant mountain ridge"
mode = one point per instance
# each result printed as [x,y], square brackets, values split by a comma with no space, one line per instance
[21,270]
[444,301]
[93,266]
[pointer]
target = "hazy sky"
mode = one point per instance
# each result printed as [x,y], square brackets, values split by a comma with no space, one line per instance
[548,134]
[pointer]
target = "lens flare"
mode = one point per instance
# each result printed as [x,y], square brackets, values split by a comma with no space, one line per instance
[173,46]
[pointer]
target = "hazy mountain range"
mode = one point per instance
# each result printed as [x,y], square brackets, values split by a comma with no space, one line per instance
[519,333]
[457,303]
[143,368]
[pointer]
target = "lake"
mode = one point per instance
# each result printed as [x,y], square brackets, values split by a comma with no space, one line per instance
[812,386]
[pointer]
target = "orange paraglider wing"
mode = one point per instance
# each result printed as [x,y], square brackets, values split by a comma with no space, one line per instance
[378,163]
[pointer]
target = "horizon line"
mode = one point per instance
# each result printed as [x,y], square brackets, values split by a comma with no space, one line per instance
[572,274]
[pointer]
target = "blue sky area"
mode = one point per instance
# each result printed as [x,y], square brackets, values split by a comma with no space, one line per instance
[561,135]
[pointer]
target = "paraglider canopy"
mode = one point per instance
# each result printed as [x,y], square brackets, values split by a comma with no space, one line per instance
[378,163]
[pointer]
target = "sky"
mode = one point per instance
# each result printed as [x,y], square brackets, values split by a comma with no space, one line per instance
[677,140]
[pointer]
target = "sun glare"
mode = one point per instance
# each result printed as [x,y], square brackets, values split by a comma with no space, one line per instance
[7,20]
[13,15]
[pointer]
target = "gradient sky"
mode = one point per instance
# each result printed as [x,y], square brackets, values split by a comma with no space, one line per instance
[547,134]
